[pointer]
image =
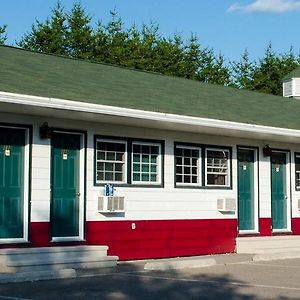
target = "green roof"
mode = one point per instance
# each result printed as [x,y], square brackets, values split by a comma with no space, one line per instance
[293,74]
[32,73]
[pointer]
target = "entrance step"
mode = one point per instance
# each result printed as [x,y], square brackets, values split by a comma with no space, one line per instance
[55,258]
[268,245]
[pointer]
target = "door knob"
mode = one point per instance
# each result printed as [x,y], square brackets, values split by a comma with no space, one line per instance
[78,194]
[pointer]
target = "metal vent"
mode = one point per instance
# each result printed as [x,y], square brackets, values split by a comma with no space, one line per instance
[100,203]
[226,204]
[111,204]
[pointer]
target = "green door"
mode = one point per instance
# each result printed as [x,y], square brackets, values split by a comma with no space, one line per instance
[246,211]
[12,143]
[278,186]
[65,185]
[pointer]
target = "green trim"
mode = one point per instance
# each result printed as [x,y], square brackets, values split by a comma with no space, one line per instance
[246,204]
[83,139]
[288,161]
[203,185]
[256,148]
[29,129]
[129,141]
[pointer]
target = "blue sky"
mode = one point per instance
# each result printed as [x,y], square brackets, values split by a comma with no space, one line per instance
[228,26]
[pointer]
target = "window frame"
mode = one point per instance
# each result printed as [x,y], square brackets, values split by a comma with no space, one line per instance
[199,166]
[159,167]
[112,141]
[297,155]
[228,183]
[128,169]
[202,184]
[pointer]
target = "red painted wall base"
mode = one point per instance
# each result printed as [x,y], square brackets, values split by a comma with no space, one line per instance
[163,238]
[265,226]
[296,226]
[159,238]
[39,234]
[152,239]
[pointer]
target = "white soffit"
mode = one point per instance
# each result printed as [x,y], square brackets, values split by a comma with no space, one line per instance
[75,110]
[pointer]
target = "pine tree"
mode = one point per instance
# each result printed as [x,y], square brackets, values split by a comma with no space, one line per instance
[288,62]
[192,58]
[100,44]
[242,72]
[48,36]
[3,35]
[117,40]
[149,40]
[271,69]
[167,55]
[212,68]
[79,33]
[267,75]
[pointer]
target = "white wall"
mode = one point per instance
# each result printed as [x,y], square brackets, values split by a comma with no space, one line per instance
[148,203]
[291,88]
[296,83]
[40,183]
[287,88]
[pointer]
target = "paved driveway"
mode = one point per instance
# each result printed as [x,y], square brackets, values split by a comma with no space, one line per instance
[231,278]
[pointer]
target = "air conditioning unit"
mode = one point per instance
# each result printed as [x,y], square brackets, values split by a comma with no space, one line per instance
[111,204]
[226,204]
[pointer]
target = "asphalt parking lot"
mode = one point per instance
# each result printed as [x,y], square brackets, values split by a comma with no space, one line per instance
[234,277]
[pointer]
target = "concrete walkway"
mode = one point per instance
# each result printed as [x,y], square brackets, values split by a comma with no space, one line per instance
[188,262]
[234,277]
[141,265]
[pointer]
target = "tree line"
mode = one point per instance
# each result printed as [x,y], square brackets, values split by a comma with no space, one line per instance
[72,34]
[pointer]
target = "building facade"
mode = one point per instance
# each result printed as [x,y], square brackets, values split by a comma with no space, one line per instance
[182,183]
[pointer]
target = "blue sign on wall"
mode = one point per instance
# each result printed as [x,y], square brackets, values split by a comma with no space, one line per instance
[109,189]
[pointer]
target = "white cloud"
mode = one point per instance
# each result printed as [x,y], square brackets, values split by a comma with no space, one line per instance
[266,6]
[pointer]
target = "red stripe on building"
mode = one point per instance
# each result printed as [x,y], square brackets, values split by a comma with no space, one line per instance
[163,238]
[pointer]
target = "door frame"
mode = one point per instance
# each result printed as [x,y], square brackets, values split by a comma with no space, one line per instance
[27,183]
[82,186]
[256,188]
[288,192]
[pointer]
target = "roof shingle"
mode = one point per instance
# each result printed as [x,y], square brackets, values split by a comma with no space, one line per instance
[37,74]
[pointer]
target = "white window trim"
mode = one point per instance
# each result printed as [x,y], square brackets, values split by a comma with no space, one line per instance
[228,168]
[159,168]
[183,146]
[125,161]
[297,187]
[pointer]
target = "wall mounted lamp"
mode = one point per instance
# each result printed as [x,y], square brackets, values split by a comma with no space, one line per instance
[45,131]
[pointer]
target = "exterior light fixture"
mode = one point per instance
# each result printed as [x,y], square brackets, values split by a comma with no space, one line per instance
[267,150]
[45,131]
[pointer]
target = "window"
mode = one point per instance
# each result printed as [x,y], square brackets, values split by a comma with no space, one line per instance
[297,171]
[127,161]
[217,167]
[187,161]
[202,166]
[145,163]
[111,161]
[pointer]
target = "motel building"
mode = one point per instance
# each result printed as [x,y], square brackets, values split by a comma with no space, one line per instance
[149,165]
